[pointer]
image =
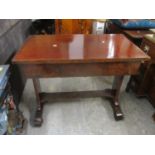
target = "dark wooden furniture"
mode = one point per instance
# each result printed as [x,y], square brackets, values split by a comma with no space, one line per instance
[144,83]
[136,36]
[45,56]
[42,26]
[73,26]
[112,28]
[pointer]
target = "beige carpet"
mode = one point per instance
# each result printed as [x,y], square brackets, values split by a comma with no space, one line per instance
[90,115]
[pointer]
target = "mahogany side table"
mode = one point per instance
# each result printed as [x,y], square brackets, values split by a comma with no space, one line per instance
[46,56]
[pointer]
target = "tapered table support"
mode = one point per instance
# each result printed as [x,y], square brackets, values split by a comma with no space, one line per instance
[115,102]
[38,114]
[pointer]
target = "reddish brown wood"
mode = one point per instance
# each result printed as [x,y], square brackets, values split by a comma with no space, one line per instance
[46,97]
[61,49]
[73,26]
[80,70]
[116,87]
[79,55]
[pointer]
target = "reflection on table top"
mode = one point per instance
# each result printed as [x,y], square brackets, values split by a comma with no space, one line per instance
[78,48]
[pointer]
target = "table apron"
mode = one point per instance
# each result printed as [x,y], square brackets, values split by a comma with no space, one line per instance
[79,70]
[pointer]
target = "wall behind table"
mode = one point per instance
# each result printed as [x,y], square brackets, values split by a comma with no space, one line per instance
[13,33]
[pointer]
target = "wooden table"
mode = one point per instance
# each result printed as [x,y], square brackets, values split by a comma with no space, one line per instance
[45,56]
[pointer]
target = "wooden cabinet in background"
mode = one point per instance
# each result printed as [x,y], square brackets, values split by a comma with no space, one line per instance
[143,84]
[73,26]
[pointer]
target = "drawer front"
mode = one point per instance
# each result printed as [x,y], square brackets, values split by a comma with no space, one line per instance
[80,70]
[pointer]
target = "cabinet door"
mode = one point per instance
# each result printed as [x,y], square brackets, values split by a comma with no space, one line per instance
[73,26]
[149,48]
[63,26]
[85,26]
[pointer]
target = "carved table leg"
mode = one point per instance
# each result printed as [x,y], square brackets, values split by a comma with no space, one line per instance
[38,114]
[115,103]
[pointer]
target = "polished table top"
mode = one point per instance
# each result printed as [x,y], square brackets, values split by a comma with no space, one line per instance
[78,49]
